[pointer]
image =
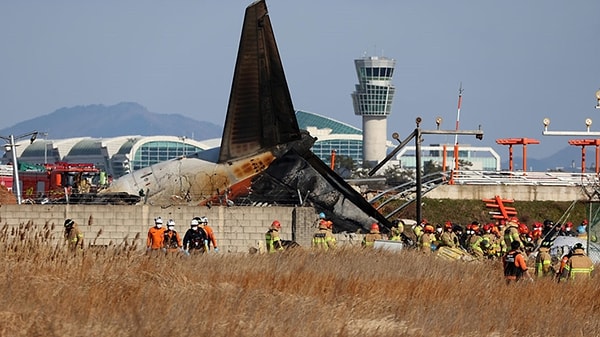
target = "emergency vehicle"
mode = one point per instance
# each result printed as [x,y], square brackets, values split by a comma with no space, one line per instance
[6,176]
[50,182]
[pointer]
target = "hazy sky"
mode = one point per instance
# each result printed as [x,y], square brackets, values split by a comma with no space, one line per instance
[518,61]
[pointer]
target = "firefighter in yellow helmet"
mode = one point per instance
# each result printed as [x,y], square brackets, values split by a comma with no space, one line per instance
[323,238]
[369,239]
[272,238]
[73,235]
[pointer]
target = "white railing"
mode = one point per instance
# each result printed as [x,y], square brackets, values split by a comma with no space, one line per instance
[524,178]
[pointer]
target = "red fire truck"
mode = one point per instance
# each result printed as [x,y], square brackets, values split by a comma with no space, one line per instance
[6,176]
[50,182]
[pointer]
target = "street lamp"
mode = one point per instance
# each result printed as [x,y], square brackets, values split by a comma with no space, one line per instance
[11,143]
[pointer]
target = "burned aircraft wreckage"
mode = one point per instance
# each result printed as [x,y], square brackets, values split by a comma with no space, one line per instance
[264,156]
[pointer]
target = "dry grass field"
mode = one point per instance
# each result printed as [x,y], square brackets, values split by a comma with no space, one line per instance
[120,291]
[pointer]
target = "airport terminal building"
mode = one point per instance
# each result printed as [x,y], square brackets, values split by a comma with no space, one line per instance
[120,155]
[116,156]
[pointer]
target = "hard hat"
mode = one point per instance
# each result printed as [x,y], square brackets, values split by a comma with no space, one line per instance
[321,215]
[581,229]
[578,245]
[487,228]
[171,223]
[329,224]
[584,222]
[448,225]
[203,220]
[374,227]
[523,228]
[276,224]
[429,228]
[158,220]
[194,223]
[322,224]
[69,223]
[475,227]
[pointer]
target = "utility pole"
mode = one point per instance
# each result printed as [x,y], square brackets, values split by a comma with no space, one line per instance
[13,148]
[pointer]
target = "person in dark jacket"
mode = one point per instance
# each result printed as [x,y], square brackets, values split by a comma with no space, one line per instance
[514,264]
[195,239]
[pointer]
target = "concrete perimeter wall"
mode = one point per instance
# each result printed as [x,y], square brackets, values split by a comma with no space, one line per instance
[515,192]
[238,229]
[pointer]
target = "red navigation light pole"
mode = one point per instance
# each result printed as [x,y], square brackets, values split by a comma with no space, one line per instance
[583,143]
[517,141]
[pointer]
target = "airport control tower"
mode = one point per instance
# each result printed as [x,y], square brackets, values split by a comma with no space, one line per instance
[372,100]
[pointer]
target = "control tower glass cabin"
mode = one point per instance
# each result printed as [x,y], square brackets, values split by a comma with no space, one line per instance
[372,100]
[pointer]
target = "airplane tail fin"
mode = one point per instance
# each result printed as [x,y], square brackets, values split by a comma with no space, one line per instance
[260,112]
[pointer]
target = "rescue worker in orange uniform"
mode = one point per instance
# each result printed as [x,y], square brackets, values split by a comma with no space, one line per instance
[73,235]
[212,239]
[579,266]
[514,264]
[156,237]
[272,239]
[323,238]
[172,240]
[369,239]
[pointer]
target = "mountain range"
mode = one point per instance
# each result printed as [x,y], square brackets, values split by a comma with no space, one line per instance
[122,119]
[129,118]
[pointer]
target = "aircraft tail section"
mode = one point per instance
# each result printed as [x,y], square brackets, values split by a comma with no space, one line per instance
[260,112]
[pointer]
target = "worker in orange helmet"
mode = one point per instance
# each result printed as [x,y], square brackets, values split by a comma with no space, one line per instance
[514,264]
[511,233]
[323,238]
[369,239]
[492,247]
[427,240]
[272,239]
[448,237]
[476,242]
[536,233]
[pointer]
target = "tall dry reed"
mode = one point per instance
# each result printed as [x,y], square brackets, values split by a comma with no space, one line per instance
[121,291]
